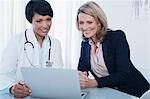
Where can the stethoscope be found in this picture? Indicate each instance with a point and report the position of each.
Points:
(48, 62)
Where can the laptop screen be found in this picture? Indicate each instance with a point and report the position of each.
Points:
(52, 83)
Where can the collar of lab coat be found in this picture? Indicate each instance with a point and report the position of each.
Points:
(31, 37)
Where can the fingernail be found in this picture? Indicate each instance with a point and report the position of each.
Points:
(30, 91)
(22, 82)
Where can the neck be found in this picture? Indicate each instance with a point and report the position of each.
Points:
(94, 39)
(39, 39)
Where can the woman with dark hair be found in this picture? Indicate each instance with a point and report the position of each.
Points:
(105, 53)
(33, 48)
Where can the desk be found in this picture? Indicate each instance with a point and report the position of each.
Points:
(94, 93)
(107, 93)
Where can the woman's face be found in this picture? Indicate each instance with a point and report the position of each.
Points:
(41, 25)
(88, 25)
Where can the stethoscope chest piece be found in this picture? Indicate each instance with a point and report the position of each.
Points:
(49, 64)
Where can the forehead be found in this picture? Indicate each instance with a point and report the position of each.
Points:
(85, 17)
(38, 16)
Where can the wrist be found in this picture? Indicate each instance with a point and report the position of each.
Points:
(10, 90)
(93, 83)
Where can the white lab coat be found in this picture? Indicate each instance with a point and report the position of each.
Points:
(14, 57)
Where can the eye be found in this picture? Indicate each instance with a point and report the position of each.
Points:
(48, 19)
(81, 22)
(89, 22)
(38, 21)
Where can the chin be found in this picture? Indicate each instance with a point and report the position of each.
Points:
(44, 34)
(87, 36)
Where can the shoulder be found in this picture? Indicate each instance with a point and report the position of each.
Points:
(14, 43)
(113, 35)
(85, 43)
(54, 41)
(16, 38)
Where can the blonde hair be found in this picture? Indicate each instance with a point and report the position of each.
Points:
(94, 10)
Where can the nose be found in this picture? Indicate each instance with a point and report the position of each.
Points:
(44, 24)
(84, 27)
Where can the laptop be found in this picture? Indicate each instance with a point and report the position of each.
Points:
(53, 83)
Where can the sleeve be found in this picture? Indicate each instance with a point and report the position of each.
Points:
(122, 63)
(58, 62)
(83, 60)
(8, 64)
(6, 90)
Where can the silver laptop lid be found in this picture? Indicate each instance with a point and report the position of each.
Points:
(52, 83)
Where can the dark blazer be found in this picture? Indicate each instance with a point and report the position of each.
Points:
(123, 75)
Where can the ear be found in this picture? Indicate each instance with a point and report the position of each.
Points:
(99, 24)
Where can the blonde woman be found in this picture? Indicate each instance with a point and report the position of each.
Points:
(105, 53)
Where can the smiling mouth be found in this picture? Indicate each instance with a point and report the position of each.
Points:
(86, 32)
(44, 31)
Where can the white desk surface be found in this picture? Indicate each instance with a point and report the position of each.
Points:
(107, 93)
(94, 93)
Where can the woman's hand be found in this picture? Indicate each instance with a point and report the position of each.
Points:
(20, 90)
(83, 76)
(85, 82)
(83, 79)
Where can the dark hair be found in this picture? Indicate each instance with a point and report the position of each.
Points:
(41, 7)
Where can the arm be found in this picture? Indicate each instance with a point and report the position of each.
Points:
(84, 60)
(8, 69)
(8, 65)
(84, 67)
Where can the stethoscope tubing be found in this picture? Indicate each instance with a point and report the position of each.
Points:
(28, 42)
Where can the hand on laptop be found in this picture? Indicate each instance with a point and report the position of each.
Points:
(83, 76)
(83, 79)
(20, 90)
(85, 82)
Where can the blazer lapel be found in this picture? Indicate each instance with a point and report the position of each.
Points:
(106, 56)
(88, 49)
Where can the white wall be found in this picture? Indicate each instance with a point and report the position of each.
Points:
(1, 27)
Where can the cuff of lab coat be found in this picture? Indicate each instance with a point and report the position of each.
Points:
(5, 90)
